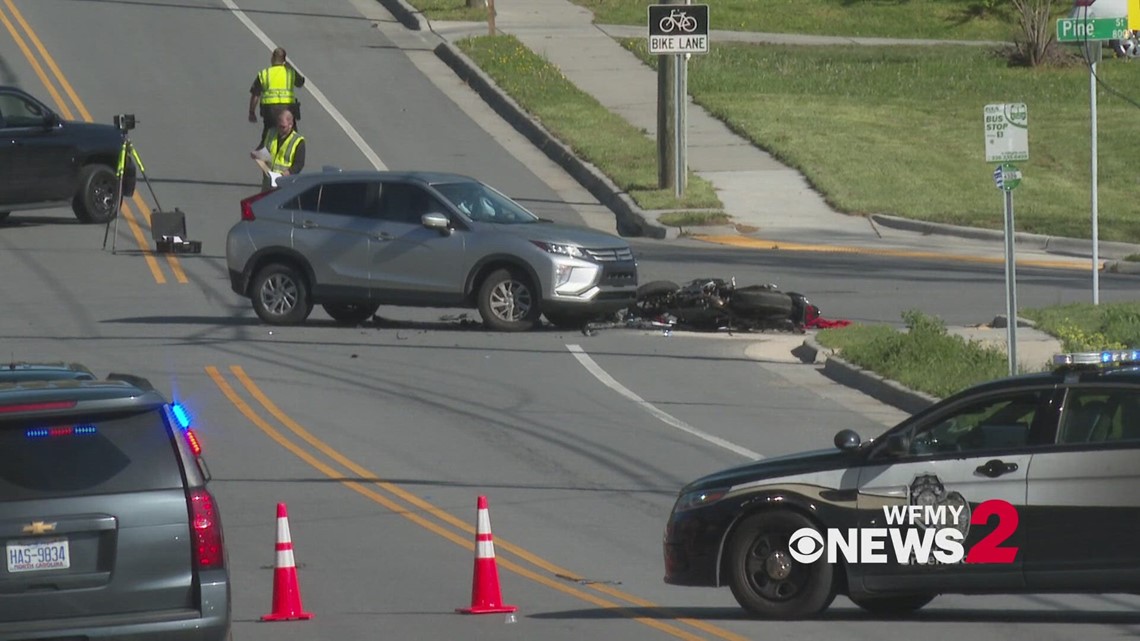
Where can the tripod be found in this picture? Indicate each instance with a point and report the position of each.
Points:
(127, 149)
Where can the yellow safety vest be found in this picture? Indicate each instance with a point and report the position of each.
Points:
(277, 85)
(281, 155)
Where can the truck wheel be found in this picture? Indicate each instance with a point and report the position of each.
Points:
(508, 301)
(280, 295)
(350, 313)
(94, 202)
(764, 577)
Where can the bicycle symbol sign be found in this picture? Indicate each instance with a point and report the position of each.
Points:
(678, 28)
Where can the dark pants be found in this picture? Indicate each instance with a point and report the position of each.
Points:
(269, 118)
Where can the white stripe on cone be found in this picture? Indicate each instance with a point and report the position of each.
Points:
(486, 550)
(285, 559)
(484, 522)
(283, 530)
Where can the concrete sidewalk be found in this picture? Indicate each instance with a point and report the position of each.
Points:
(757, 191)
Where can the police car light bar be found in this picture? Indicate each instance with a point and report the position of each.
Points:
(1107, 357)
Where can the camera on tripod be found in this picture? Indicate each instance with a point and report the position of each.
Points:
(125, 122)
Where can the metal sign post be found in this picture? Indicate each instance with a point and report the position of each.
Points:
(676, 30)
(1090, 34)
(1007, 139)
(1007, 177)
(1093, 169)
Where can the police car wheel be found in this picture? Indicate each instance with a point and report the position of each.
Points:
(766, 580)
(95, 200)
(893, 605)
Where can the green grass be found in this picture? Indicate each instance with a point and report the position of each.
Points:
(933, 19)
(1088, 327)
(925, 358)
(898, 130)
(693, 218)
(451, 10)
(928, 359)
(620, 150)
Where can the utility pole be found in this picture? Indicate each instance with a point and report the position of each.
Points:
(668, 68)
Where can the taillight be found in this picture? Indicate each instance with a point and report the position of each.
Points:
(206, 531)
(247, 205)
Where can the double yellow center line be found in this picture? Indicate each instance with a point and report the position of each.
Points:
(10, 23)
(529, 565)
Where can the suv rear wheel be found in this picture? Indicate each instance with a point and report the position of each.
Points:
(508, 301)
(95, 200)
(280, 295)
(350, 313)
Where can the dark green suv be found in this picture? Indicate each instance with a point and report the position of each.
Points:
(107, 528)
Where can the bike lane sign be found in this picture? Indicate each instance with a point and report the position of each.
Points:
(678, 28)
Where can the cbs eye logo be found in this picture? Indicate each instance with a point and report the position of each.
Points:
(806, 545)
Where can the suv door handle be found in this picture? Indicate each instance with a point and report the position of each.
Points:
(308, 224)
(384, 236)
(996, 468)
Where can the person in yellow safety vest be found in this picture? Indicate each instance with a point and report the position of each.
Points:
(274, 89)
(286, 148)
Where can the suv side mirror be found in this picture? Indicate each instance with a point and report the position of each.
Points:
(847, 440)
(438, 222)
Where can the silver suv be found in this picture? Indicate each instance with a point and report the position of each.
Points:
(107, 528)
(352, 241)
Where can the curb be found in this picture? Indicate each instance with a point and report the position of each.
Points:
(1050, 244)
(865, 381)
(406, 14)
(631, 219)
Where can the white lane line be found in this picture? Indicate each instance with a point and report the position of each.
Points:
(661, 415)
(349, 130)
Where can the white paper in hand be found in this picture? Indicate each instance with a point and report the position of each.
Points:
(262, 154)
(273, 176)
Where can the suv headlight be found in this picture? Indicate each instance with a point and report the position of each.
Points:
(573, 251)
(700, 498)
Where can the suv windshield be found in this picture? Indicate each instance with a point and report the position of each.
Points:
(483, 204)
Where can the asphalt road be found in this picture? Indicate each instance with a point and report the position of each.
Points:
(380, 439)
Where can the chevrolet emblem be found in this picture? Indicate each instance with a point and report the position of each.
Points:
(39, 527)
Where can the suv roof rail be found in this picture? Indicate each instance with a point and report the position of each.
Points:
(137, 381)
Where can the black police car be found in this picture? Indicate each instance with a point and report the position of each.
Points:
(48, 162)
(1061, 448)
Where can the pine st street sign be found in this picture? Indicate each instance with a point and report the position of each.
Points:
(1091, 29)
(1007, 132)
(678, 28)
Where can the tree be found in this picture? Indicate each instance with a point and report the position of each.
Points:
(1036, 41)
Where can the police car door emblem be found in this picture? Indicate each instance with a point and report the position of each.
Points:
(927, 489)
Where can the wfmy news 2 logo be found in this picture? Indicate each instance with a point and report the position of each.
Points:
(916, 534)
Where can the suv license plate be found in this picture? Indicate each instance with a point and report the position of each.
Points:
(44, 554)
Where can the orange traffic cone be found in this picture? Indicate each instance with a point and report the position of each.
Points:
(485, 595)
(286, 591)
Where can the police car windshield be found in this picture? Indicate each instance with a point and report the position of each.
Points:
(484, 204)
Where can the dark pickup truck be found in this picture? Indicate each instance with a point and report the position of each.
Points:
(47, 162)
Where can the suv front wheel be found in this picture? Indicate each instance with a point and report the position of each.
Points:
(508, 302)
(94, 202)
(280, 295)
